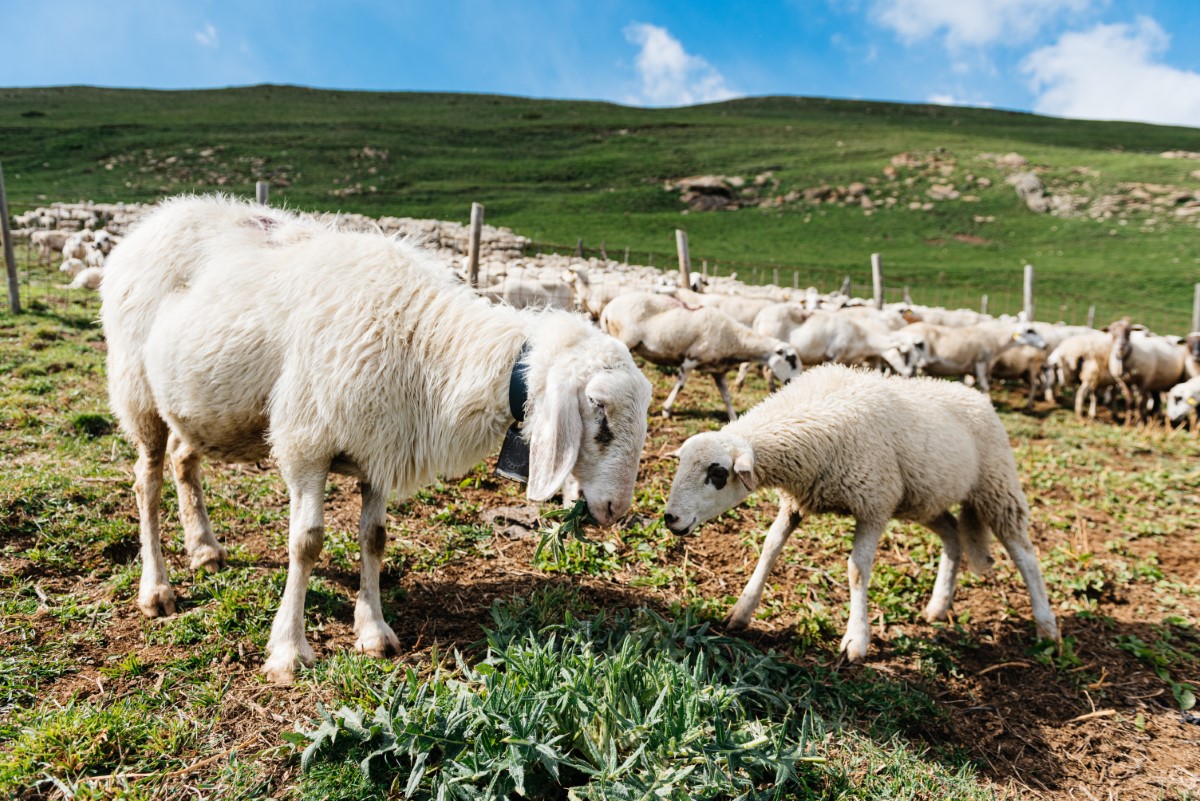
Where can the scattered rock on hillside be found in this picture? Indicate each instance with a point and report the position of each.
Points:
(1031, 191)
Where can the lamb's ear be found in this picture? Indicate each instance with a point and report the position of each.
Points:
(555, 431)
(743, 468)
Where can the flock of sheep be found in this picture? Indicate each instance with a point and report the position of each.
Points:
(227, 341)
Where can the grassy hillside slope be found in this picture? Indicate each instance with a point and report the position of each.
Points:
(558, 171)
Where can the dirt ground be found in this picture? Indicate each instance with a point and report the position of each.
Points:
(1100, 726)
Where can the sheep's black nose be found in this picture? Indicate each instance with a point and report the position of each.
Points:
(670, 519)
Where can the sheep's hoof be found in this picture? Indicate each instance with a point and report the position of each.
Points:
(280, 668)
(157, 600)
(854, 647)
(1048, 630)
(377, 639)
(937, 614)
(209, 558)
(666, 414)
(735, 622)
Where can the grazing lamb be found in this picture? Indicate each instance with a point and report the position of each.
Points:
(850, 336)
(1030, 363)
(1144, 365)
(227, 339)
(664, 331)
(850, 441)
(967, 350)
(1183, 401)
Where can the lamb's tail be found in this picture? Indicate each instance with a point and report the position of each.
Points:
(975, 537)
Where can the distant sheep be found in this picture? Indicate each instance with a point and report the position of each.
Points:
(849, 441)
(236, 331)
(665, 331)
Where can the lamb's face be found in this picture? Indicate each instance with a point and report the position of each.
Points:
(716, 472)
(785, 362)
(1027, 335)
(1181, 401)
(613, 408)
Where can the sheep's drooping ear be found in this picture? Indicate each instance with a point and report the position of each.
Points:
(673, 454)
(556, 430)
(743, 468)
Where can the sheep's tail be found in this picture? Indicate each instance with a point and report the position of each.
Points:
(975, 537)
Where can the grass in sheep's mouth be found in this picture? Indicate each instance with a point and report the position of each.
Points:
(570, 523)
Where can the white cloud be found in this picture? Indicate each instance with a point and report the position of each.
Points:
(670, 76)
(1112, 72)
(207, 36)
(951, 100)
(971, 23)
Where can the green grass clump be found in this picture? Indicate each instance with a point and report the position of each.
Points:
(631, 707)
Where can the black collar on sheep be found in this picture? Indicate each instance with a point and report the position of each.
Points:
(514, 454)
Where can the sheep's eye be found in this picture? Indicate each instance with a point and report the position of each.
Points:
(717, 476)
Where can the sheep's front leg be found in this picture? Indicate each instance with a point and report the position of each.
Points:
(723, 388)
(684, 369)
(862, 556)
(946, 527)
(785, 523)
(155, 597)
(375, 637)
(288, 646)
(198, 537)
(981, 377)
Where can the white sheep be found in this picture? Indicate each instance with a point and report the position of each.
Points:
(1183, 401)
(1082, 360)
(82, 276)
(664, 331)
(1144, 365)
(236, 331)
(967, 350)
(850, 441)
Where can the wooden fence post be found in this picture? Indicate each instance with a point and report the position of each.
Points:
(262, 192)
(627, 255)
(579, 247)
(1029, 293)
(603, 251)
(877, 278)
(776, 277)
(685, 262)
(473, 243)
(983, 305)
(1092, 315)
(10, 260)
(1196, 308)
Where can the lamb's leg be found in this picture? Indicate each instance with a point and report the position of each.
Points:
(1014, 535)
(946, 527)
(740, 380)
(155, 597)
(981, 377)
(723, 387)
(375, 637)
(785, 523)
(198, 537)
(862, 556)
(1130, 408)
(684, 369)
(287, 645)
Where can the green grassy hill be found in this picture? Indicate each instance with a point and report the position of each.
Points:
(558, 171)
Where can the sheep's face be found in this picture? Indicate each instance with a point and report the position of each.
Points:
(592, 428)
(908, 355)
(785, 362)
(613, 408)
(716, 473)
(1027, 335)
(1181, 403)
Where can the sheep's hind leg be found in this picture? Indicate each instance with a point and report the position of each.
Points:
(785, 523)
(946, 527)
(198, 537)
(306, 536)
(155, 597)
(857, 639)
(375, 637)
(1012, 530)
(684, 370)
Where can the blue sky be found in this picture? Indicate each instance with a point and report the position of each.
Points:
(1094, 59)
